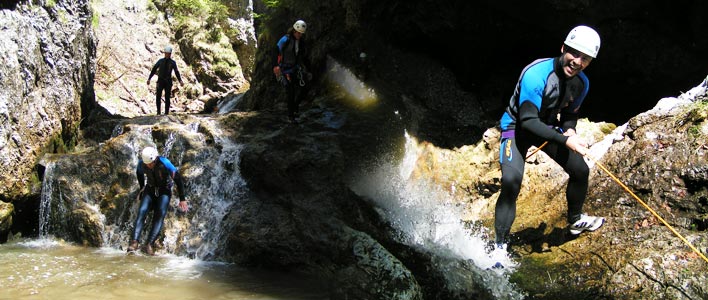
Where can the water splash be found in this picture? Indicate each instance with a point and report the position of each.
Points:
(169, 143)
(118, 130)
(45, 204)
(215, 196)
(428, 218)
(228, 104)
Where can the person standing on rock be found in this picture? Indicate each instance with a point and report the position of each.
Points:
(164, 68)
(161, 175)
(544, 107)
(289, 67)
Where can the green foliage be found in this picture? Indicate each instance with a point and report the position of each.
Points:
(694, 131)
(94, 16)
(224, 69)
(50, 3)
(271, 3)
(607, 128)
(211, 12)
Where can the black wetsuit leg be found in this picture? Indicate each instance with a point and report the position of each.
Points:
(512, 167)
(158, 217)
(168, 95)
(142, 214)
(578, 173)
(158, 95)
(292, 90)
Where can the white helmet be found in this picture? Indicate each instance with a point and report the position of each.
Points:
(149, 155)
(168, 49)
(585, 40)
(300, 26)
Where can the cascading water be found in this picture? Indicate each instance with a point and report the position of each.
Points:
(45, 204)
(426, 217)
(51, 268)
(214, 197)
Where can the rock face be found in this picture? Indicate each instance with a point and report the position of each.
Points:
(267, 193)
(504, 36)
(261, 194)
(46, 79)
(132, 35)
(658, 154)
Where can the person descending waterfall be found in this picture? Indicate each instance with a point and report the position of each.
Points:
(289, 67)
(544, 107)
(156, 194)
(164, 67)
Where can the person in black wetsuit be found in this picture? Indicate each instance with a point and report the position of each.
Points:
(161, 175)
(544, 107)
(289, 67)
(164, 68)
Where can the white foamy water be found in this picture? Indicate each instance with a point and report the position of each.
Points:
(426, 217)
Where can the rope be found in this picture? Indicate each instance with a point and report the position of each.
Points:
(537, 149)
(649, 208)
(638, 199)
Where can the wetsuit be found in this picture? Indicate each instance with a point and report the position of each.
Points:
(542, 94)
(157, 194)
(291, 53)
(163, 68)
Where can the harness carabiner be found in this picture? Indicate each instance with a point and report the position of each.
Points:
(299, 75)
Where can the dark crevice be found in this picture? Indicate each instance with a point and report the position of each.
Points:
(25, 219)
(9, 4)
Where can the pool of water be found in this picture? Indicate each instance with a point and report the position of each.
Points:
(51, 269)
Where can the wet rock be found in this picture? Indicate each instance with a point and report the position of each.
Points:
(45, 69)
(6, 212)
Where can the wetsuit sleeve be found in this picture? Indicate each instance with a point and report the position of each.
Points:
(568, 121)
(140, 174)
(530, 99)
(528, 120)
(154, 69)
(174, 66)
(177, 178)
(279, 47)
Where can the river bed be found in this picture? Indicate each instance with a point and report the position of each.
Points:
(51, 269)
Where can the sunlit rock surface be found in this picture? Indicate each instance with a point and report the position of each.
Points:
(46, 73)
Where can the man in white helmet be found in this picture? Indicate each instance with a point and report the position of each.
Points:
(164, 67)
(161, 175)
(289, 66)
(544, 107)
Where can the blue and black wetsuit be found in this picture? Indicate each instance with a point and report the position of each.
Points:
(290, 59)
(163, 67)
(156, 194)
(544, 100)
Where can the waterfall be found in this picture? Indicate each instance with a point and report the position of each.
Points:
(45, 204)
(427, 218)
(220, 187)
(228, 104)
(213, 184)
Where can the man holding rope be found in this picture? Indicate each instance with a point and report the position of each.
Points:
(544, 107)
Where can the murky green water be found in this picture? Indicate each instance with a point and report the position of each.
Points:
(48, 269)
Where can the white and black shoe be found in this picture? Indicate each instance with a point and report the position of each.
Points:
(586, 223)
(499, 255)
